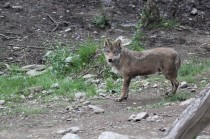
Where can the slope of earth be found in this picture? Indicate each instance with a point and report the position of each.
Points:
(29, 28)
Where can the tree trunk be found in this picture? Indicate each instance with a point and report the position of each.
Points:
(193, 119)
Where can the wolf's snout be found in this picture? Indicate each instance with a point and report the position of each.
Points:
(110, 60)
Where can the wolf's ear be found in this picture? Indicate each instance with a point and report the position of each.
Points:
(107, 42)
(118, 43)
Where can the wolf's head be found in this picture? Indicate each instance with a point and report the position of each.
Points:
(112, 51)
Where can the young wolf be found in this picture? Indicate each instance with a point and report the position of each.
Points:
(129, 63)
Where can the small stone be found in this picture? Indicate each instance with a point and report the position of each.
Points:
(162, 129)
(69, 59)
(22, 96)
(194, 11)
(68, 30)
(79, 96)
(183, 84)
(140, 116)
(86, 103)
(7, 5)
(74, 129)
(203, 137)
(1, 73)
(112, 135)
(55, 86)
(96, 109)
(186, 102)
(154, 118)
(132, 117)
(125, 41)
(2, 102)
(70, 136)
(17, 8)
(155, 86)
(62, 131)
(88, 76)
(102, 94)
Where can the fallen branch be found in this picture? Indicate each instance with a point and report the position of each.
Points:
(33, 47)
(7, 37)
(57, 23)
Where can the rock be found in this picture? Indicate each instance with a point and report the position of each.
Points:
(1, 73)
(154, 118)
(62, 131)
(112, 135)
(7, 5)
(132, 117)
(88, 76)
(96, 109)
(155, 86)
(55, 86)
(68, 30)
(203, 137)
(17, 8)
(86, 103)
(33, 67)
(74, 129)
(194, 11)
(102, 94)
(183, 84)
(140, 116)
(79, 96)
(35, 72)
(125, 41)
(70, 136)
(69, 59)
(2, 102)
(186, 102)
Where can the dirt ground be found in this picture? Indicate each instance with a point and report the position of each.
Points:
(27, 31)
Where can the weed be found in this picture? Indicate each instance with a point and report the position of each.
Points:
(137, 37)
(101, 21)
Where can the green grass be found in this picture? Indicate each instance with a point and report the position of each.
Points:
(178, 97)
(193, 67)
(11, 86)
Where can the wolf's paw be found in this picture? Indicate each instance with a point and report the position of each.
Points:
(121, 99)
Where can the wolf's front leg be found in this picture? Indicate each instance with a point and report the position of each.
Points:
(125, 88)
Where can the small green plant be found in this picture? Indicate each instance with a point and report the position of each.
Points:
(101, 21)
(181, 96)
(80, 58)
(137, 38)
(57, 58)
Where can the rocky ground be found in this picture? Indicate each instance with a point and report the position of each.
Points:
(27, 30)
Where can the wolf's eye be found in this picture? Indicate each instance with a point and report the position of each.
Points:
(115, 52)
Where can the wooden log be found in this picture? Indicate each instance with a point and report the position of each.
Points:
(193, 119)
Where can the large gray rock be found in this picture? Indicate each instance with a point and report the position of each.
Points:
(112, 135)
(70, 136)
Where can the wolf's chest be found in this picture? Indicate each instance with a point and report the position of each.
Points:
(115, 70)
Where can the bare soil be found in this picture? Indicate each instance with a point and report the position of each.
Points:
(27, 32)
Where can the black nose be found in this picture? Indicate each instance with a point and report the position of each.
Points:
(110, 60)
